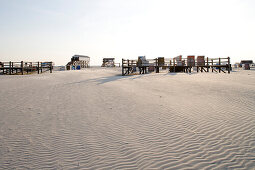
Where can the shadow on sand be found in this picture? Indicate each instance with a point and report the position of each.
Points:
(103, 80)
(107, 79)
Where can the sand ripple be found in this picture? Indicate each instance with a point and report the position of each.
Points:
(95, 120)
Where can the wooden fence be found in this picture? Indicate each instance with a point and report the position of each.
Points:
(215, 64)
(22, 67)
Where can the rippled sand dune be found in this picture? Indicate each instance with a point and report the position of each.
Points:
(97, 119)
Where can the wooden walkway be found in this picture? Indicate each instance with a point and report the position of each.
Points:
(214, 64)
(20, 68)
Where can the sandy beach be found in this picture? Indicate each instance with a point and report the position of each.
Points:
(97, 119)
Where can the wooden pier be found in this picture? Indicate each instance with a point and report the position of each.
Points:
(21, 68)
(184, 65)
(128, 66)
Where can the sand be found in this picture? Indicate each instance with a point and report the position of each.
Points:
(97, 119)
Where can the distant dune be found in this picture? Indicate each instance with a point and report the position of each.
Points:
(97, 119)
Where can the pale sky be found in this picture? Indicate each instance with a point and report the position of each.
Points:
(55, 30)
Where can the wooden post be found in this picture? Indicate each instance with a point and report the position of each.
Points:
(41, 67)
(207, 65)
(228, 65)
(128, 65)
(3, 67)
(197, 68)
(22, 68)
(38, 67)
(174, 64)
(26, 64)
(212, 65)
(219, 66)
(51, 64)
(10, 65)
(157, 66)
(122, 67)
(50, 67)
(131, 66)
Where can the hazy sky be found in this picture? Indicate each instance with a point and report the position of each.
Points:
(40, 30)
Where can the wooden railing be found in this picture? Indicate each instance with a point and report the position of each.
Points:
(24, 67)
(215, 64)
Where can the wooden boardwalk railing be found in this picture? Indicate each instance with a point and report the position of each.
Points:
(22, 67)
(215, 64)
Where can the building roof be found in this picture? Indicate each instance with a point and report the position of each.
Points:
(246, 62)
(84, 56)
(108, 58)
